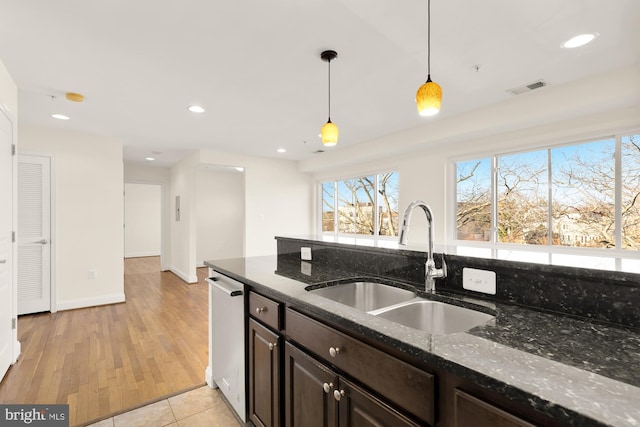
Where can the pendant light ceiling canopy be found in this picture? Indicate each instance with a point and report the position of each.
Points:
(329, 131)
(429, 95)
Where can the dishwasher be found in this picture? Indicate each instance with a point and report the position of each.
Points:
(226, 340)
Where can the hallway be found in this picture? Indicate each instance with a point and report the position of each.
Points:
(107, 359)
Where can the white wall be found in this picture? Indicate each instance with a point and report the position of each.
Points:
(555, 115)
(8, 92)
(278, 199)
(183, 231)
(88, 185)
(148, 174)
(142, 220)
(219, 213)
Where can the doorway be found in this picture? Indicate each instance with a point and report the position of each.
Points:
(142, 220)
(7, 285)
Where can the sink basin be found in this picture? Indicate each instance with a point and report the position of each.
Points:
(365, 296)
(435, 317)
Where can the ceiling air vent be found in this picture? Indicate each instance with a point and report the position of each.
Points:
(527, 88)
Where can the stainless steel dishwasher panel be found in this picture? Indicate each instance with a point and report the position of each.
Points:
(226, 346)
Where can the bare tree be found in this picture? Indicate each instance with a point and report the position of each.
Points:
(583, 197)
(357, 205)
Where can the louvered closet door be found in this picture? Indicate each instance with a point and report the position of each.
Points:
(34, 234)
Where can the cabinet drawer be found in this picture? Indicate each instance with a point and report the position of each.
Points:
(471, 411)
(266, 310)
(401, 383)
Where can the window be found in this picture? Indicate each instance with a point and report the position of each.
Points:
(366, 205)
(583, 195)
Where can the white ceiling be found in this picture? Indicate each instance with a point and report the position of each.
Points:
(255, 65)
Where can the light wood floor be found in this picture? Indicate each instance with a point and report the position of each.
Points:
(104, 360)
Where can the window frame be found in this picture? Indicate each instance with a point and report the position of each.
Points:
(376, 218)
(548, 253)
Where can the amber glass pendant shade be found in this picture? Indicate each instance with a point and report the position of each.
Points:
(329, 134)
(429, 98)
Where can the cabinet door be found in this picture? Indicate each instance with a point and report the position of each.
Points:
(473, 412)
(359, 408)
(309, 388)
(264, 376)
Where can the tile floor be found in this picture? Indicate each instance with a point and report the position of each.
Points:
(199, 407)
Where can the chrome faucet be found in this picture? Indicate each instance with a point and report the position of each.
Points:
(431, 272)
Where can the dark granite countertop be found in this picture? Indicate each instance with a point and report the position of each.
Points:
(579, 372)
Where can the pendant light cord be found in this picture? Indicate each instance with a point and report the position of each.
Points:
(429, 39)
(329, 85)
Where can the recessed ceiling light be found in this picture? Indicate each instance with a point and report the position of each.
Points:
(579, 40)
(196, 109)
(60, 116)
(149, 159)
(282, 150)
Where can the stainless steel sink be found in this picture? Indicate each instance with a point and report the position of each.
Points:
(435, 317)
(365, 296)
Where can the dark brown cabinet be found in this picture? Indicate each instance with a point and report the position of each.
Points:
(404, 386)
(473, 412)
(309, 400)
(304, 372)
(316, 396)
(265, 359)
(264, 376)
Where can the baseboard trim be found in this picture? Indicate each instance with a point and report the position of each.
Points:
(183, 276)
(90, 302)
(17, 351)
(208, 377)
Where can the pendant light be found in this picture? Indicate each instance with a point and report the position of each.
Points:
(329, 131)
(429, 95)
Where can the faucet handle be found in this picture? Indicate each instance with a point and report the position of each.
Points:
(444, 267)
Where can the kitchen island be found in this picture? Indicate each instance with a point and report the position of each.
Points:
(575, 371)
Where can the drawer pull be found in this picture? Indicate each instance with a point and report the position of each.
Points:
(338, 394)
(327, 387)
(272, 345)
(260, 309)
(334, 351)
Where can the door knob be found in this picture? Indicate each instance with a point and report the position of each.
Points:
(42, 242)
(272, 345)
(334, 351)
(338, 394)
(327, 387)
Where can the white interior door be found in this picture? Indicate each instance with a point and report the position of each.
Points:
(34, 234)
(6, 259)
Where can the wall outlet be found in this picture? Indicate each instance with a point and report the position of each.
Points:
(479, 280)
(93, 274)
(305, 253)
